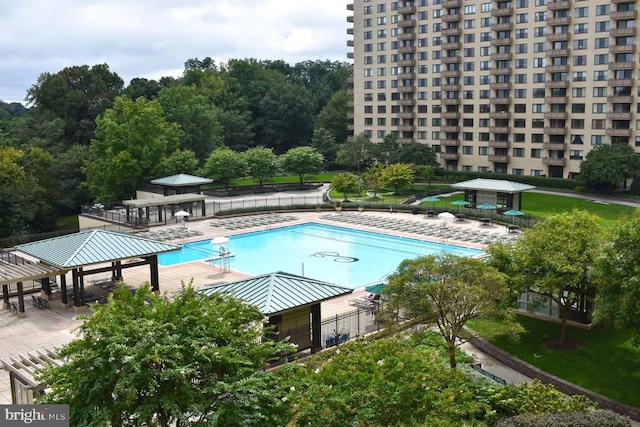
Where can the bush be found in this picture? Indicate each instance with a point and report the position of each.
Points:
(579, 419)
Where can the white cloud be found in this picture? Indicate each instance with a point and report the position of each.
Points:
(152, 38)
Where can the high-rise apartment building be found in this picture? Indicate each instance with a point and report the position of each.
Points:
(526, 87)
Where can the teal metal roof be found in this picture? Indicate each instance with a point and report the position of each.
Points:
(278, 292)
(92, 247)
(497, 185)
(181, 180)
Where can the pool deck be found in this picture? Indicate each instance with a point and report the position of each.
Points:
(54, 327)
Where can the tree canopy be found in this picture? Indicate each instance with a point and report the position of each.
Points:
(145, 360)
(224, 165)
(607, 166)
(397, 175)
(301, 161)
(261, 162)
(345, 183)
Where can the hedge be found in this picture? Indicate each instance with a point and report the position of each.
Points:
(602, 418)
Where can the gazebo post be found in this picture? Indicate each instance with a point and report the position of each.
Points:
(45, 291)
(63, 291)
(155, 278)
(5, 297)
(21, 312)
(316, 330)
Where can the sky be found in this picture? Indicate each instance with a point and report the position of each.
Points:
(153, 38)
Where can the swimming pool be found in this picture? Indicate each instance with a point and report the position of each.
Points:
(344, 256)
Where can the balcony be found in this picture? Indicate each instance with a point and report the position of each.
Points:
(403, 76)
(557, 68)
(407, 49)
(446, 4)
(620, 82)
(449, 156)
(623, 32)
(501, 42)
(619, 116)
(455, 73)
(351, 127)
(506, 26)
(501, 56)
(450, 129)
(494, 101)
(549, 161)
(555, 131)
(451, 59)
(620, 65)
(552, 84)
(407, 102)
(495, 129)
(350, 31)
(502, 11)
(406, 140)
(350, 103)
(350, 91)
(559, 21)
(405, 115)
(450, 87)
(350, 79)
(407, 23)
(350, 19)
(407, 9)
(350, 6)
(620, 99)
(618, 132)
(448, 46)
(497, 158)
(406, 63)
(558, 146)
(454, 17)
(559, 5)
(350, 55)
(558, 52)
(450, 142)
(625, 48)
(501, 71)
(556, 115)
(407, 36)
(500, 115)
(627, 14)
(500, 86)
(406, 128)
(407, 89)
(499, 144)
(556, 99)
(450, 114)
(558, 37)
(451, 101)
(446, 32)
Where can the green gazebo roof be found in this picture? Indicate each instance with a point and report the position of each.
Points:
(181, 180)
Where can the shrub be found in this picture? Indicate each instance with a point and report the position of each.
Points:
(579, 419)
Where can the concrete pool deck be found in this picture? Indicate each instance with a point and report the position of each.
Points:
(54, 327)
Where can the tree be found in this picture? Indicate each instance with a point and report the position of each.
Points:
(554, 260)
(180, 161)
(325, 144)
(618, 276)
(237, 128)
(132, 139)
(447, 290)
(607, 166)
(424, 173)
(262, 164)
(356, 154)
(387, 149)
(147, 360)
(345, 183)
(300, 161)
(334, 116)
(16, 184)
(197, 118)
(397, 175)
(71, 181)
(141, 87)
(417, 154)
(372, 179)
(224, 165)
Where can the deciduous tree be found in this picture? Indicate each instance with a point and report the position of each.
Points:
(147, 360)
(386, 150)
(325, 144)
(356, 154)
(345, 183)
(224, 165)
(262, 164)
(447, 290)
(397, 175)
(416, 154)
(607, 166)
(301, 161)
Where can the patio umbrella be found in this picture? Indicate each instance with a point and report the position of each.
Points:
(486, 207)
(460, 203)
(446, 215)
(181, 214)
(375, 289)
(220, 240)
(513, 213)
(431, 200)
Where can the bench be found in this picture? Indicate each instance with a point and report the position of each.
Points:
(39, 302)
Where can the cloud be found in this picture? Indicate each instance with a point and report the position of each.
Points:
(148, 38)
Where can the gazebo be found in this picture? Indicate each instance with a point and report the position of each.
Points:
(291, 302)
(181, 184)
(501, 193)
(74, 252)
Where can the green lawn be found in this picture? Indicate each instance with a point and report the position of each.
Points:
(548, 204)
(609, 364)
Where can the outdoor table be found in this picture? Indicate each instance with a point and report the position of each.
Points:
(513, 228)
(461, 217)
(430, 213)
(485, 221)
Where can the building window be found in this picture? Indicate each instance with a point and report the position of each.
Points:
(599, 108)
(579, 92)
(536, 153)
(483, 151)
(601, 43)
(577, 139)
(577, 108)
(517, 171)
(579, 76)
(597, 139)
(522, 33)
(580, 60)
(602, 26)
(580, 28)
(540, 32)
(599, 92)
(520, 108)
(518, 152)
(467, 149)
(601, 59)
(598, 123)
(604, 9)
(577, 123)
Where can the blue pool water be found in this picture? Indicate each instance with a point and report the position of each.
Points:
(347, 257)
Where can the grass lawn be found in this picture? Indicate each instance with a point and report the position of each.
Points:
(609, 364)
(548, 204)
